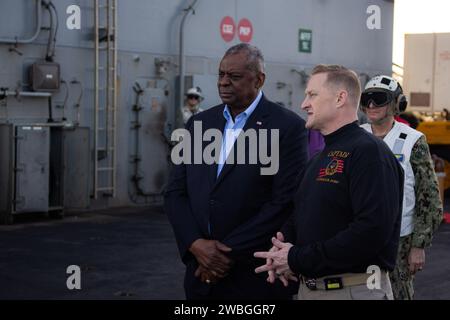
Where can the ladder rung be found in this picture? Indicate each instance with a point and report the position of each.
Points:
(105, 169)
(99, 89)
(103, 149)
(105, 189)
(105, 6)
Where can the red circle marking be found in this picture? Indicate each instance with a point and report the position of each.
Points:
(245, 30)
(227, 28)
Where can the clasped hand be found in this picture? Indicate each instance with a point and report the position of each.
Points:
(277, 261)
(212, 259)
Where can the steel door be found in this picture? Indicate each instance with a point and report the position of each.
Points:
(32, 168)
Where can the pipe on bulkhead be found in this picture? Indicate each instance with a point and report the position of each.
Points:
(181, 57)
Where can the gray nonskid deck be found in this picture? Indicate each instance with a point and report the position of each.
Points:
(129, 253)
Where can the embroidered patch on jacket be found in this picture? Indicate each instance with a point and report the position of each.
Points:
(335, 166)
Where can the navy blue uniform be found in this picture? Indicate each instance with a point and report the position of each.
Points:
(348, 207)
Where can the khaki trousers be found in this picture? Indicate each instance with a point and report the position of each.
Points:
(356, 292)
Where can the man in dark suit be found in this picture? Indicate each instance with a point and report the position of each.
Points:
(222, 212)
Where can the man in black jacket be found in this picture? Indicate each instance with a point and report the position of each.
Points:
(343, 236)
(223, 211)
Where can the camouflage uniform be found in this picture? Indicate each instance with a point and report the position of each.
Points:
(427, 218)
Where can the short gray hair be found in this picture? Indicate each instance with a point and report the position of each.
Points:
(255, 58)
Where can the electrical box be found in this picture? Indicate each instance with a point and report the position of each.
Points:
(25, 170)
(77, 159)
(40, 166)
(32, 169)
(45, 76)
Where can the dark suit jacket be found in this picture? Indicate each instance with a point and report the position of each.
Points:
(244, 208)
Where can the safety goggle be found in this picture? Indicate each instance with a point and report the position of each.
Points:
(378, 98)
(192, 96)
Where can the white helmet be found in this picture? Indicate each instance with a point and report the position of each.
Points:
(195, 91)
(392, 90)
(382, 82)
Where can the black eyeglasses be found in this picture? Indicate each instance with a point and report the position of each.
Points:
(191, 96)
(378, 98)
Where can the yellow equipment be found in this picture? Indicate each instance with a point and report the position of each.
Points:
(437, 132)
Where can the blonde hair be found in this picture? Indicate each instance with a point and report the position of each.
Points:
(341, 76)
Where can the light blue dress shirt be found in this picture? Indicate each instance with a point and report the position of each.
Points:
(233, 129)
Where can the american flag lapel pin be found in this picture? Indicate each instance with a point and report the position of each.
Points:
(258, 123)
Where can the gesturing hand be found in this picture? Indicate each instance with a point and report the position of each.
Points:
(271, 273)
(276, 261)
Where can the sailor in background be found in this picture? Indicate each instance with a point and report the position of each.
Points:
(381, 101)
